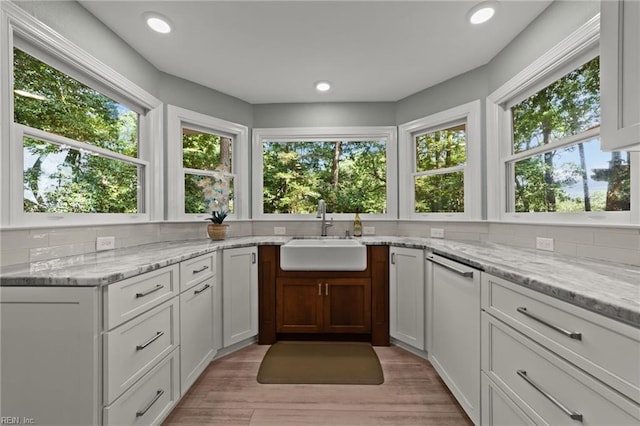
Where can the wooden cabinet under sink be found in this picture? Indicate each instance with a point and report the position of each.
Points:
(324, 304)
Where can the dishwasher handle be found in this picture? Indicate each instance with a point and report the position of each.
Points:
(467, 274)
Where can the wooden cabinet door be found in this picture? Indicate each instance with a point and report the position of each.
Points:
(347, 305)
(299, 305)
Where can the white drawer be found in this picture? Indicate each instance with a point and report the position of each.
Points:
(531, 376)
(592, 352)
(151, 399)
(136, 346)
(498, 409)
(194, 270)
(128, 298)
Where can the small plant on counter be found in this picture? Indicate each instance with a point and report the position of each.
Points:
(218, 216)
(216, 229)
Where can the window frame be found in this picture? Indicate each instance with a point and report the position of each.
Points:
(20, 29)
(470, 114)
(578, 48)
(311, 134)
(177, 118)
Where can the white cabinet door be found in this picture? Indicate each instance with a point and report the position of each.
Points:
(620, 74)
(196, 331)
(406, 296)
(454, 314)
(239, 294)
(50, 355)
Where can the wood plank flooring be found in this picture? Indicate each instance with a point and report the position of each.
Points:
(227, 394)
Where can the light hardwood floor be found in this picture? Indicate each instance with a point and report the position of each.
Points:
(227, 393)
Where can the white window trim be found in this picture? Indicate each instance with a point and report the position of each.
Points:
(301, 134)
(549, 67)
(177, 118)
(16, 21)
(470, 114)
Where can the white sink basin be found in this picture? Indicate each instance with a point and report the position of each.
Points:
(320, 254)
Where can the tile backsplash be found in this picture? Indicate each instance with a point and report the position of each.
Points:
(606, 243)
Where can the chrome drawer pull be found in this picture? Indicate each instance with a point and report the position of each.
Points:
(197, 271)
(202, 289)
(572, 414)
(468, 274)
(159, 393)
(326, 289)
(150, 341)
(148, 292)
(571, 334)
(319, 289)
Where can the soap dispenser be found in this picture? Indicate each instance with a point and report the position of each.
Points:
(357, 225)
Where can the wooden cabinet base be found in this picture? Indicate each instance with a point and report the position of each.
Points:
(324, 305)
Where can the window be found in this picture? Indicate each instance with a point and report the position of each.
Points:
(439, 178)
(61, 123)
(79, 134)
(352, 169)
(442, 155)
(547, 144)
(556, 163)
(206, 156)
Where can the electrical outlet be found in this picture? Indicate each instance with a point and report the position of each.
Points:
(369, 230)
(544, 243)
(437, 233)
(105, 243)
(279, 230)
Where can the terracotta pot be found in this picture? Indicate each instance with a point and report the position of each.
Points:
(217, 231)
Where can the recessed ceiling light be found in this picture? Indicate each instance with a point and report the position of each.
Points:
(322, 86)
(157, 22)
(482, 12)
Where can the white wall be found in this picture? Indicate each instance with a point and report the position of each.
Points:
(325, 114)
(557, 22)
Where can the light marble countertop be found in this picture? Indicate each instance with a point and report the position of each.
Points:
(606, 288)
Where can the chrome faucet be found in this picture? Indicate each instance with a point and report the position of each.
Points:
(322, 211)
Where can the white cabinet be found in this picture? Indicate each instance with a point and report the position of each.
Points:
(50, 354)
(239, 294)
(620, 74)
(497, 407)
(196, 317)
(135, 347)
(129, 298)
(406, 296)
(546, 387)
(535, 346)
(581, 337)
(454, 330)
(149, 400)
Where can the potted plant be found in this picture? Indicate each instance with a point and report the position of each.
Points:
(216, 229)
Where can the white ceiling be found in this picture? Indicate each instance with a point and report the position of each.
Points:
(273, 51)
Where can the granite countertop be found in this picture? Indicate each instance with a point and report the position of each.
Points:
(606, 288)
